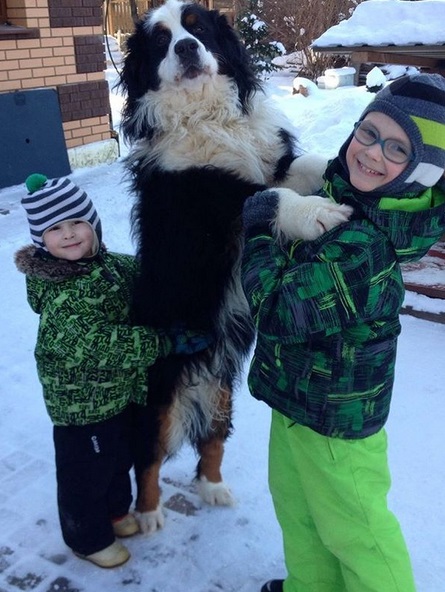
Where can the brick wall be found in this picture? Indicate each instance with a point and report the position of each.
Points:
(74, 13)
(89, 53)
(61, 47)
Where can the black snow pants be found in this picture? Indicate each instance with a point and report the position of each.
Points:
(93, 480)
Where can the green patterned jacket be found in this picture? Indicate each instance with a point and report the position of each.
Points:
(90, 361)
(327, 313)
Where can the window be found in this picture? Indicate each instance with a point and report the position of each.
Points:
(10, 31)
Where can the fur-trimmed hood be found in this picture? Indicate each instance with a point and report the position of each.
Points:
(32, 262)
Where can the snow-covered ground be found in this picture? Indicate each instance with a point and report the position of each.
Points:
(202, 549)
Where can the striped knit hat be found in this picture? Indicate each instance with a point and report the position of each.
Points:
(417, 104)
(51, 202)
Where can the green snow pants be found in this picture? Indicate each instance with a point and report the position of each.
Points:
(330, 499)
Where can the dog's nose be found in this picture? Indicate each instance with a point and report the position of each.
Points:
(186, 48)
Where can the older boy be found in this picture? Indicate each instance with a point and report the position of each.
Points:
(327, 314)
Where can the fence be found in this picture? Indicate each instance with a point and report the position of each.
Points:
(117, 13)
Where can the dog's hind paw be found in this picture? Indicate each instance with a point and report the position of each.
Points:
(307, 216)
(150, 522)
(215, 494)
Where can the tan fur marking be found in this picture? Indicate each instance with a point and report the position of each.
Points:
(211, 453)
(149, 491)
(211, 450)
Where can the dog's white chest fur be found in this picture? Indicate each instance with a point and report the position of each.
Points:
(205, 127)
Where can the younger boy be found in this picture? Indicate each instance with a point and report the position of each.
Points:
(327, 314)
(91, 363)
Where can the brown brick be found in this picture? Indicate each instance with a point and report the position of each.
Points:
(42, 52)
(75, 78)
(64, 70)
(46, 72)
(33, 63)
(9, 44)
(33, 82)
(75, 13)
(17, 54)
(28, 43)
(17, 4)
(10, 65)
(53, 61)
(9, 85)
(55, 80)
(84, 100)
(36, 13)
(20, 74)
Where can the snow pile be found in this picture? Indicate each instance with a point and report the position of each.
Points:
(389, 22)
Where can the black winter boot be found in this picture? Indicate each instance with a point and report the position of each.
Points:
(273, 586)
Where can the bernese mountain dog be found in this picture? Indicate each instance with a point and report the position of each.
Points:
(204, 136)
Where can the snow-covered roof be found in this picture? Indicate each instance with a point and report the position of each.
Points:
(389, 22)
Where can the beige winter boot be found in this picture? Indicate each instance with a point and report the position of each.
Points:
(112, 556)
(126, 526)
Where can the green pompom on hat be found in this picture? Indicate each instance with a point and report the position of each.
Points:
(35, 181)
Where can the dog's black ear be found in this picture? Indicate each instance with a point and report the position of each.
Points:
(136, 77)
(235, 60)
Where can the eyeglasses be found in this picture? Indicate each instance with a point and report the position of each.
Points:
(394, 150)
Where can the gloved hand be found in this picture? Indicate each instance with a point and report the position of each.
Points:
(187, 341)
(260, 209)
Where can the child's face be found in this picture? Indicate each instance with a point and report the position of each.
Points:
(71, 240)
(368, 167)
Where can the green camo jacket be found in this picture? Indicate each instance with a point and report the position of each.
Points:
(90, 361)
(327, 314)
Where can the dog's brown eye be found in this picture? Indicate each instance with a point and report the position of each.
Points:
(161, 40)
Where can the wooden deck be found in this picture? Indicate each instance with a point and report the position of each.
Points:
(427, 278)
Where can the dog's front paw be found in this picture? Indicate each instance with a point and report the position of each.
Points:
(329, 214)
(150, 522)
(306, 216)
(215, 494)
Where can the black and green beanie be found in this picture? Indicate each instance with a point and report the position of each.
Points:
(417, 103)
(50, 202)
